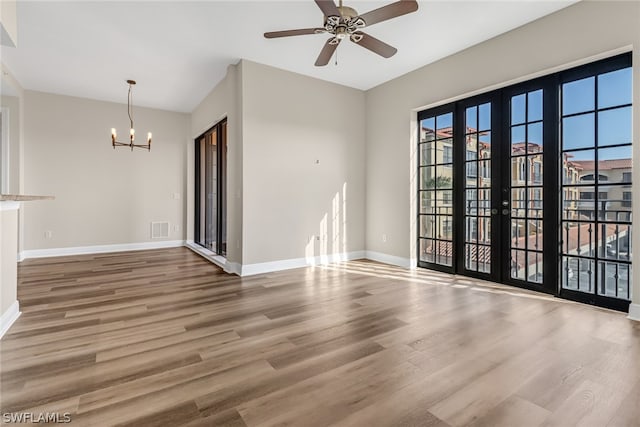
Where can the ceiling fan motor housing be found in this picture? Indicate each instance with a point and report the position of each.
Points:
(344, 25)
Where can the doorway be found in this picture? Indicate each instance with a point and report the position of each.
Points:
(210, 188)
(530, 185)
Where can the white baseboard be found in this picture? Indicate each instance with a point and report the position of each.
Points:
(8, 317)
(87, 250)
(222, 262)
(634, 312)
(287, 264)
(388, 259)
(20, 256)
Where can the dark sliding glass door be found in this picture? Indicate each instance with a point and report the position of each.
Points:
(530, 185)
(210, 188)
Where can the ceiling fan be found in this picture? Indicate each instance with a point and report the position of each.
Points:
(343, 21)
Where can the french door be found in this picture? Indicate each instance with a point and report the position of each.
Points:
(530, 185)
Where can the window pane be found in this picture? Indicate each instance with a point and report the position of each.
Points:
(472, 119)
(427, 153)
(518, 137)
(427, 203)
(578, 131)
(534, 138)
(578, 203)
(535, 106)
(614, 88)
(518, 109)
(427, 226)
(614, 126)
(534, 170)
(485, 117)
(518, 264)
(518, 203)
(613, 279)
(578, 238)
(613, 163)
(444, 125)
(577, 274)
(427, 250)
(427, 129)
(427, 177)
(578, 96)
(613, 204)
(615, 242)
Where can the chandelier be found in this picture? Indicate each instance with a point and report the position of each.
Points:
(132, 131)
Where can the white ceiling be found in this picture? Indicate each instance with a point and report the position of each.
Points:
(178, 51)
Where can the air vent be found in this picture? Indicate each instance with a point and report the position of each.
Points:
(160, 230)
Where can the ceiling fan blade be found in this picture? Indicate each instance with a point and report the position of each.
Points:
(389, 11)
(328, 7)
(288, 33)
(373, 44)
(327, 52)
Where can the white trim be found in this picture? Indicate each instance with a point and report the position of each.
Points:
(388, 259)
(8, 317)
(9, 205)
(233, 268)
(20, 257)
(86, 250)
(287, 264)
(634, 312)
(211, 256)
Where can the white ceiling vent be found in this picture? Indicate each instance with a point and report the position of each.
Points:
(160, 230)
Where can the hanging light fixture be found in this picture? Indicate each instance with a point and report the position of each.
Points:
(132, 131)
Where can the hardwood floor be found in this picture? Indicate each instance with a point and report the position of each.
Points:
(165, 338)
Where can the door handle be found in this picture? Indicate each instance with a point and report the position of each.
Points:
(494, 211)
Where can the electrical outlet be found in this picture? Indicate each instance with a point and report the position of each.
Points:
(384, 237)
(176, 228)
(48, 234)
(175, 196)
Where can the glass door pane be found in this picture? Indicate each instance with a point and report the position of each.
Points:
(596, 220)
(526, 173)
(477, 188)
(435, 189)
(211, 190)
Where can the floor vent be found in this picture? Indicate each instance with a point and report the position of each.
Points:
(160, 230)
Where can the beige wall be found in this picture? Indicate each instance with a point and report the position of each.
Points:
(560, 40)
(225, 100)
(103, 196)
(12, 105)
(8, 251)
(280, 124)
(553, 41)
(291, 122)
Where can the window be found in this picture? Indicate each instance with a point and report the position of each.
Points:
(626, 199)
(447, 154)
(626, 176)
(472, 166)
(591, 177)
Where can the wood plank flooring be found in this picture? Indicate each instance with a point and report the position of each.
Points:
(164, 338)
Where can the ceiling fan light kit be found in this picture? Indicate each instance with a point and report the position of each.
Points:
(344, 22)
